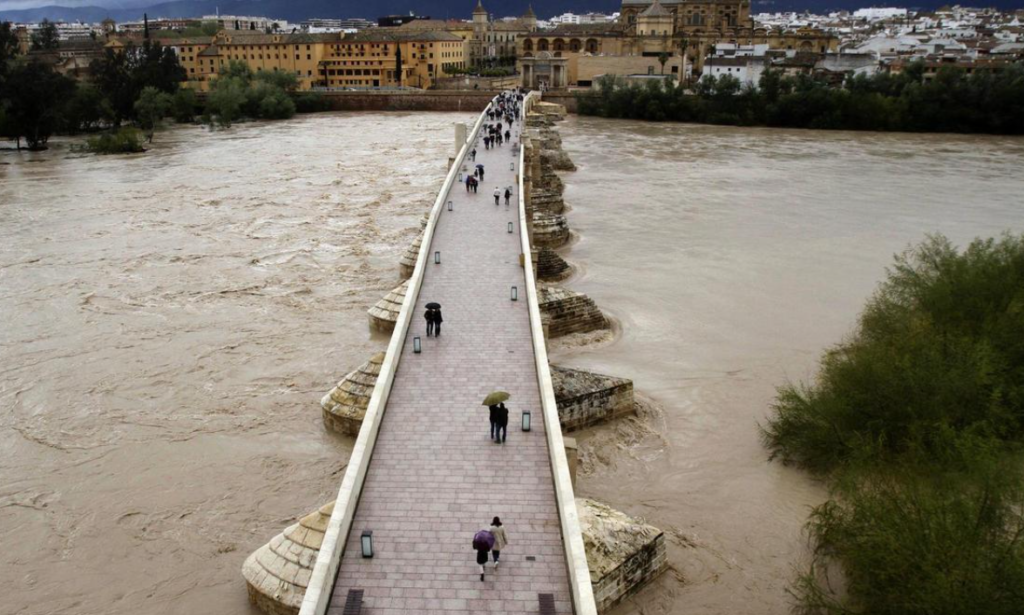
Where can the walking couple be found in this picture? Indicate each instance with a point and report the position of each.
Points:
(499, 422)
(489, 540)
(434, 320)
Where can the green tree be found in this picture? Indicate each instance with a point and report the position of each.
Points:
(36, 98)
(183, 105)
(122, 76)
(86, 109)
(150, 109)
(46, 37)
(663, 59)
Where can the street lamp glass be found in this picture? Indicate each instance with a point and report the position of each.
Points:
(366, 540)
(416, 346)
(515, 293)
(526, 420)
(510, 227)
(437, 258)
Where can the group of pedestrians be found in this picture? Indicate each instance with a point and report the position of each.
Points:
(498, 193)
(489, 540)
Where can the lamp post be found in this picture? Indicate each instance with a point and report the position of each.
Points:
(417, 347)
(366, 540)
(526, 420)
(509, 227)
(515, 293)
(437, 258)
(450, 203)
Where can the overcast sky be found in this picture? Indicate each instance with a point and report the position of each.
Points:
(14, 5)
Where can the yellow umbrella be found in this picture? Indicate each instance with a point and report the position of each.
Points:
(496, 398)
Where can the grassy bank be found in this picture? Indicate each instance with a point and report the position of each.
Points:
(917, 422)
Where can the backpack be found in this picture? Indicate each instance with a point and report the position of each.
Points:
(482, 540)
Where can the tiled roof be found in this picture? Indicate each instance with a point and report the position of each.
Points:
(379, 35)
(655, 10)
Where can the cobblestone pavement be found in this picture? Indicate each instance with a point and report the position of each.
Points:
(436, 477)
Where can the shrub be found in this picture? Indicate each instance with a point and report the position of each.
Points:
(124, 141)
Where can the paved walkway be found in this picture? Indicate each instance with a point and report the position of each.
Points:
(435, 477)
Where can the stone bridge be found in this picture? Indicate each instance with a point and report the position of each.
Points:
(424, 474)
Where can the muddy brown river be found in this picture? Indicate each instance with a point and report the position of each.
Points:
(172, 319)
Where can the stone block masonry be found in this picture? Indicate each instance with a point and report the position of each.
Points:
(384, 314)
(566, 312)
(345, 406)
(623, 553)
(585, 398)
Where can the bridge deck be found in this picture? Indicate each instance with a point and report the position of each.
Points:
(435, 476)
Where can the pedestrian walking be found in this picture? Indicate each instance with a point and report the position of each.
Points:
(500, 539)
(508, 196)
(497, 196)
(508, 135)
(437, 322)
(493, 410)
(469, 182)
(481, 169)
(429, 317)
(472, 155)
(502, 415)
(482, 543)
(475, 185)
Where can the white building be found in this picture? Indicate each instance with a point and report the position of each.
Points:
(746, 69)
(879, 13)
(240, 22)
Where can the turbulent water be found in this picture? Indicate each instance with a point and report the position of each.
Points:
(172, 319)
(732, 258)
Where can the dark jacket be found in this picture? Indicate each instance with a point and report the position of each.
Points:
(437, 317)
(494, 413)
(502, 415)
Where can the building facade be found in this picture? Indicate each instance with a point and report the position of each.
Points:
(684, 32)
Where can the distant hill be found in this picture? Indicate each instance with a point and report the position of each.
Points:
(299, 10)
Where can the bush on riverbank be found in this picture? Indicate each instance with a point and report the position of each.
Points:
(124, 141)
(918, 421)
(951, 102)
(239, 92)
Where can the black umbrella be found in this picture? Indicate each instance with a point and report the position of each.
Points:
(433, 306)
(479, 166)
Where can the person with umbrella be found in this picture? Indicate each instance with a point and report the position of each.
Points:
(502, 421)
(492, 402)
(483, 540)
(480, 168)
(434, 319)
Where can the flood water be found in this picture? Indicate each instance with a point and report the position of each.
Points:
(172, 319)
(732, 258)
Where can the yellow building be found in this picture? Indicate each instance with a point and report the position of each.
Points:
(366, 59)
(300, 54)
(371, 58)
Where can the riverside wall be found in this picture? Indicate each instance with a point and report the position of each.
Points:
(425, 100)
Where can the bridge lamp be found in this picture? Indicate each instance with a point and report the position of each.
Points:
(449, 205)
(526, 420)
(416, 346)
(437, 258)
(366, 540)
(460, 177)
(515, 293)
(510, 227)
(512, 166)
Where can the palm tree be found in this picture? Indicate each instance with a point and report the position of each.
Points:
(662, 59)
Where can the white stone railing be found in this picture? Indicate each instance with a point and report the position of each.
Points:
(325, 571)
(572, 537)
